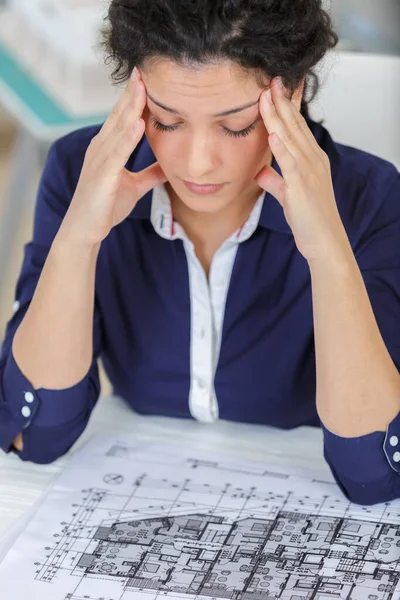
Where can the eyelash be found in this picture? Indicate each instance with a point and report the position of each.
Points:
(235, 134)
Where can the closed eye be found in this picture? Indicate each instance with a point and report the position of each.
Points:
(235, 134)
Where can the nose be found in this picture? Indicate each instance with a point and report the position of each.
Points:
(202, 159)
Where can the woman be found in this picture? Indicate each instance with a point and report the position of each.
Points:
(220, 252)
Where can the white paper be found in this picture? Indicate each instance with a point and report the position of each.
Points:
(140, 520)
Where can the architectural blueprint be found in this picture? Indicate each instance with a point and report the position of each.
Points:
(130, 521)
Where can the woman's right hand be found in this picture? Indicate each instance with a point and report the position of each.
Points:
(107, 192)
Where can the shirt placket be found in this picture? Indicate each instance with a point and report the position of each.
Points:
(202, 402)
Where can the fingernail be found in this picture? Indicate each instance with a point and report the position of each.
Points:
(280, 82)
(269, 97)
(134, 75)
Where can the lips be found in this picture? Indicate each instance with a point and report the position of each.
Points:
(200, 185)
(203, 189)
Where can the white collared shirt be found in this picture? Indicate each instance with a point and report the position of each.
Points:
(208, 298)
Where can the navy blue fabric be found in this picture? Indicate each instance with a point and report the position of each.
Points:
(266, 371)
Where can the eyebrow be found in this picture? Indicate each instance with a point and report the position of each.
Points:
(223, 114)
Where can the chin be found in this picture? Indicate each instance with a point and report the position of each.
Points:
(205, 209)
(204, 204)
(209, 203)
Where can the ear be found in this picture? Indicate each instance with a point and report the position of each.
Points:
(298, 95)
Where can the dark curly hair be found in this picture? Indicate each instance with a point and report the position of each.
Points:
(270, 37)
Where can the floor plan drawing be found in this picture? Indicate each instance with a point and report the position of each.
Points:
(189, 529)
(288, 557)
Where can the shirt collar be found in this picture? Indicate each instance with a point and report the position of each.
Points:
(162, 218)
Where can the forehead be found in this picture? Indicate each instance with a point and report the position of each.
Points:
(219, 70)
(210, 88)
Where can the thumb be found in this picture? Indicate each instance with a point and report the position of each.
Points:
(272, 182)
(147, 179)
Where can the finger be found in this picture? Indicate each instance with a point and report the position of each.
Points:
(290, 115)
(132, 97)
(279, 117)
(272, 182)
(115, 150)
(303, 125)
(127, 98)
(274, 124)
(132, 113)
(126, 123)
(148, 178)
(114, 157)
(289, 164)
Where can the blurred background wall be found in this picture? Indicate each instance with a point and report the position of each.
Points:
(368, 25)
(364, 26)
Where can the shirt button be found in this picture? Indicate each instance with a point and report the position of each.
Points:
(16, 306)
(29, 397)
(394, 440)
(396, 456)
(26, 412)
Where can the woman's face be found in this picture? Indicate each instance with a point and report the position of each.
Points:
(200, 146)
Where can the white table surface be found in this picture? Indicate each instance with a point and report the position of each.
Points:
(22, 483)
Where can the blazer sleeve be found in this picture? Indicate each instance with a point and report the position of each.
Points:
(50, 420)
(367, 468)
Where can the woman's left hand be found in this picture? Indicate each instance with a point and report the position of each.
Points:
(306, 190)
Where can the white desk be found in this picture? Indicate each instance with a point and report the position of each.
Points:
(22, 483)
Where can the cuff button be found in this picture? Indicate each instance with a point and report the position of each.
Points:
(29, 397)
(26, 412)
